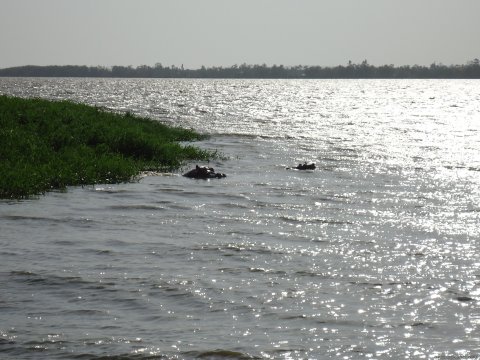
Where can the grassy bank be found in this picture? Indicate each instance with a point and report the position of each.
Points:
(47, 145)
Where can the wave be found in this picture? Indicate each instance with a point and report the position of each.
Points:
(59, 348)
(267, 271)
(308, 220)
(52, 280)
(137, 207)
(219, 354)
(126, 356)
(84, 312)
(255, 136)
(49, 280)
(80, 222)
(232, 248)
(216, 354)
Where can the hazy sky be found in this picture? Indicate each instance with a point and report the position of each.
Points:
(228, 32)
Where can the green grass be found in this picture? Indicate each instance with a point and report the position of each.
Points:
(46, 145)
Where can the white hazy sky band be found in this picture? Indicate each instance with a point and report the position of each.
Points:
(228, 32)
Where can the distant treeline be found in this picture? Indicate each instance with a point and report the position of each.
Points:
(364, 70)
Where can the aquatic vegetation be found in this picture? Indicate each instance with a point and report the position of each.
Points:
(48, 145)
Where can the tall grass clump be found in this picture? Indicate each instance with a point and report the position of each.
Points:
(46, 145)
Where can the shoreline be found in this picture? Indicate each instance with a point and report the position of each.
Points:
(363, 70)
(49, 145)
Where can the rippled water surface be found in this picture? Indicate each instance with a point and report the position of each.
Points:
(375, 254)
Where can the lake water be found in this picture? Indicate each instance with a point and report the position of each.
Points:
(373, 255)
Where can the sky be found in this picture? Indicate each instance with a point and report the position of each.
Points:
(228, 32)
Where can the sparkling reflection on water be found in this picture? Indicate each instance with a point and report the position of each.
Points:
(372, 255)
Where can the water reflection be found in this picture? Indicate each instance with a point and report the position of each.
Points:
(372, 255)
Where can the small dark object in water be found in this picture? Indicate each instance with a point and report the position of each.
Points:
(305, 166)
(464, 298)
(203, 172)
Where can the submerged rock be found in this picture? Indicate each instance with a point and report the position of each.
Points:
(203, 172)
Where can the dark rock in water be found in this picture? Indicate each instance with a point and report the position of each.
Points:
(203, 172)
(305, 166)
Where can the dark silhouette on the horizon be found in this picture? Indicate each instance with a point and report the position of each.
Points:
(470, 70)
